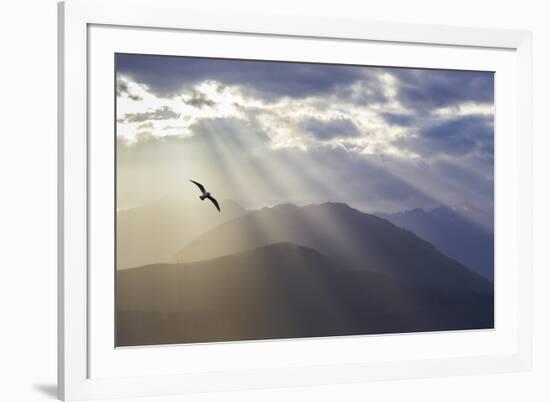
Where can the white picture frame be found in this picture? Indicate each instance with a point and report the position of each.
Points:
(79, 379)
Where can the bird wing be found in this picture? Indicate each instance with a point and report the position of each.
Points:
(200, 186)
(215, 202)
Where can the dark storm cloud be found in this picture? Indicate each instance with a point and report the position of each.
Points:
(166, 75)
(329, 129)
(457, 136)
(398, 119)
(199, 100)
(163, 113)
(428, 89)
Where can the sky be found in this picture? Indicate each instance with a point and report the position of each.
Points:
(263, 133)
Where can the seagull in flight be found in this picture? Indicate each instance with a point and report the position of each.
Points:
(206, 194)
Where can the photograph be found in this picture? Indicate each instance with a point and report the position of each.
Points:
(266, 200)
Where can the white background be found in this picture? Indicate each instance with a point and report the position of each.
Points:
(28, 199)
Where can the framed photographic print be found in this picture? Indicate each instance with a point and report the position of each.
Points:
(262, 201)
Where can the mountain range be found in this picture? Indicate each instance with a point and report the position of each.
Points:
(281, 290)
(452, 233)
(284, 272)
(357, 240)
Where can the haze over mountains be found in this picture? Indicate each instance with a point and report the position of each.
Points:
(285, 272)
(453, 234)
(155, 232)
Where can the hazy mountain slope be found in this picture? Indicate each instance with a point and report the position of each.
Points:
(280, 291)
(155, 232)
(452, 234)
(357, 240)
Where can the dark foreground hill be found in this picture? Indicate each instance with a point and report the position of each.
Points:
(356, 240)
(281, 291)
(452, 234)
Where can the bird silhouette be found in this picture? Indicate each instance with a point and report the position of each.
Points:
(206, 194)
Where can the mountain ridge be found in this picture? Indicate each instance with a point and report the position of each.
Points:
(280, 291)
(358, 240)
(451, 233)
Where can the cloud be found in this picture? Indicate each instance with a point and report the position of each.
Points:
(260, 175)
(329, 129)
(396, 138)
(167, 75)
(398, 119)
(215, 152)
(423, 90)
(163, 113)
(147, 125)
(300, 103)
(455, 137)
(122, 89)
(199, 100)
